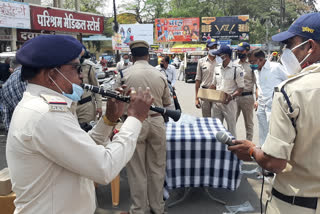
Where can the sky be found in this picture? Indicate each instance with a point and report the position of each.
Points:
(108, 9)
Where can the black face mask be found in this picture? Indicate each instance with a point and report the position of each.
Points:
(242, 56)
(161, 65)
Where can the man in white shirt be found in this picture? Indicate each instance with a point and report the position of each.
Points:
(52, 161)
(124, 64)
(268, 76)
(168, 70)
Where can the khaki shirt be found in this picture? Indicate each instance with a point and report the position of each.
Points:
(299, 146)
(142, 74)
(53, 162)
(228, 79)
(205, 70)
(249, 77)
(89, 77)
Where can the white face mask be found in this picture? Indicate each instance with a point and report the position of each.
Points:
(219, 60)
(223, 58)
(212, 50)
(290, 61)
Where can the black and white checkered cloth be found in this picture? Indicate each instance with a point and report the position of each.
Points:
(196, 159)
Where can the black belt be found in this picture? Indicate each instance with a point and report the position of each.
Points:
(204, 87)
(85, 100)
(246, 93)
(306, 202)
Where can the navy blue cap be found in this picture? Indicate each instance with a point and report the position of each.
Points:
(48, 51)
(243, 46)
(307, 26)
(211, 42)
(224, 49)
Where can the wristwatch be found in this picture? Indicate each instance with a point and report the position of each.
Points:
(232, 97)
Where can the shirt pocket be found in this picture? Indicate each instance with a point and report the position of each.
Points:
(218, 79)
(228, 81)
(204, 68)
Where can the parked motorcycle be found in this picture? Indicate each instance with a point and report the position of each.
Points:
(107, 79)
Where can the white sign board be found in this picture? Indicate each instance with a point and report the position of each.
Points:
(132, 32)
(14, 14)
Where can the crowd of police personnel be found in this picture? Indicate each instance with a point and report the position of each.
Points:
(53, 162)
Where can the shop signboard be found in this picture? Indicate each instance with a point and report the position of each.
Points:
(222, 28)
(50, 19)
(177, 29)
(14, 14)
(25, 35)
(182, 48)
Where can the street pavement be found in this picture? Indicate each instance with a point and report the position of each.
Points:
(197, 201)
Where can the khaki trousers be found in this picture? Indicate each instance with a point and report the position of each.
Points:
(228, 112)
(86, 112)
(245, 104)
(277, 206)
(146, 169)
(206, 108)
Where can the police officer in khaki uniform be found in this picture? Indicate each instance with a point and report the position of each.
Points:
(292, 146)
(146, 169)
(228, 78)
(245, 102)
(205, 69)
(52, 161)
(90, 104)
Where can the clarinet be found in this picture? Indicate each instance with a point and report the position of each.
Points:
(173, 114)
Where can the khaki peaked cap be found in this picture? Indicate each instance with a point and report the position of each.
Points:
(139, 44)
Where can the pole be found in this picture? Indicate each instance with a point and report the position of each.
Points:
(282, 17)
(77, 5)
(267, 36)
(116, 28)
(282, 13)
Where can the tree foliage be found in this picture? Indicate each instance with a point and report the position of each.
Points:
(89, 6)
(264, 15)
(145, 10)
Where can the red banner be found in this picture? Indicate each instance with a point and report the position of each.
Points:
(61, 20)
(177, 29)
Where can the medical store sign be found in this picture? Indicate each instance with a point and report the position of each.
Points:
(61, 20)
(14, 14)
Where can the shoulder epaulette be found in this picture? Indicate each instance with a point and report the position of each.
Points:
(55, 103)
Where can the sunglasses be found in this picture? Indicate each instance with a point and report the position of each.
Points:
(76, 66)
